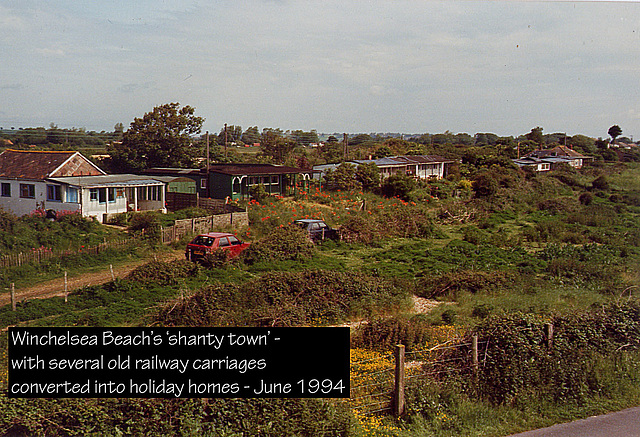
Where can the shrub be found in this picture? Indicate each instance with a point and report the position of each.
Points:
(586, 198)
(258, 192)
(286, 299)
(412, 331)
(485, 184)
(600, 183)
(398, 185)
(147, 223)
(473, 281)
(163, 273)
(216, 259)
(283, 243)
(518, 365)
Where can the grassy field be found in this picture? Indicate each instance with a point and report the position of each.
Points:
(546, 248)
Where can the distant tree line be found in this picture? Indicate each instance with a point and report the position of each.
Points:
(171, 136)
(54, 137)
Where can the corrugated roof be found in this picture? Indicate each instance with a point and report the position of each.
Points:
(119, 180)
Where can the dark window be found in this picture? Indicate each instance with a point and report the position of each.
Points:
(223, 242)
(102, 195)
(54, 193)
(6, 190)
(27, 191)
(93, 194)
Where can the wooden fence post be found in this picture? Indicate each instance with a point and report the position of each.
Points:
(13, 296)
(398, 401)
(66, 289)
(549, 334)
(474, 352)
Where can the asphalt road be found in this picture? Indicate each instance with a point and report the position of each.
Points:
(625, 423)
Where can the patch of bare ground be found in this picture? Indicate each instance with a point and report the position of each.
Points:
(55, 287)
(421, 305)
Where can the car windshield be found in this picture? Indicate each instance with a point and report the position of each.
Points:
(203, 240)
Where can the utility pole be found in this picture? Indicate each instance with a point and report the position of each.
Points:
(345, 141)
(225, 141)
(208, 163)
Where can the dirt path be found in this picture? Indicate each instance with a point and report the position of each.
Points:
(55, 287)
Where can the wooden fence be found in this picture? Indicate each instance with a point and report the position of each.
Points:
(42, 254)
(201, 225)
(177, 201)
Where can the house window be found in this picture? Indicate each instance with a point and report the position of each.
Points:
(93, 194)
(102, 195)
(111, 193)
(72, 195)
(5, 191)
(203, 183)
(27, 191)
(54, 193)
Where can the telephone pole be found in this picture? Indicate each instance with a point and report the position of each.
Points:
(208, 163)
(345, 140)
(225, 142)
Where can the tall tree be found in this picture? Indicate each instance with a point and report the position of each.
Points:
(161, 138)
(276, 146)
(251, 135)
(614, 131)
(536, 136)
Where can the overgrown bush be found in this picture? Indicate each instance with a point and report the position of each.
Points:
(518, 364)
(216, 259)
(414, 332)
(286, 299)
(404, 221)
(163, 273)
(146, 222)
(283, 243)
(174, 417)
(473, 281)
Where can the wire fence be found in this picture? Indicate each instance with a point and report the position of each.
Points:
(38, 255)
(377, 384)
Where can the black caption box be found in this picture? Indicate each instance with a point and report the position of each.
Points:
(178, 362)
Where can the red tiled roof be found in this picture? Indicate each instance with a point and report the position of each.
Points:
(38, 165)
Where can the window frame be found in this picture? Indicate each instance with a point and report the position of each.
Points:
(30, 191)
(54, 193)
(5, 189)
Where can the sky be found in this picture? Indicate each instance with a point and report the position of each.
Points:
(334, 65)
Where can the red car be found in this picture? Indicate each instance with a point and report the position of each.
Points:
(206, 243)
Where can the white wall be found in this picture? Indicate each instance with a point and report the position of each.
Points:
(23, 206)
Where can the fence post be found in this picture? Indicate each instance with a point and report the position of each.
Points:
(474, 352)
(398, 401)
(549, 334)
(66, 288)
(13, 296)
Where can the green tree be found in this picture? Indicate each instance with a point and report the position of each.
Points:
(234, 134)
(398, 185)
(276, 146)
(160, 138)
(368, 174)
(342, 178)
(614, 131)
(251, 135)
(536, 136)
